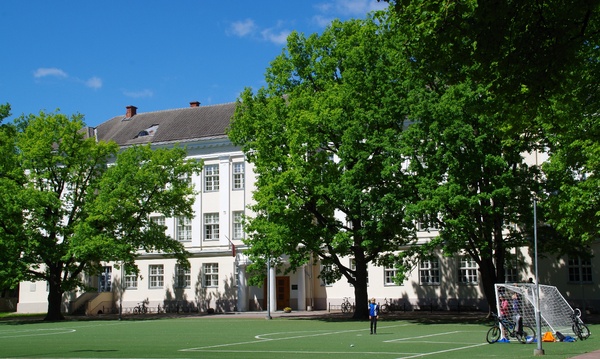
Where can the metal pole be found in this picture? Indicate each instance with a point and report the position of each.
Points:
(268, 295)
(538, 323)
(122, 289)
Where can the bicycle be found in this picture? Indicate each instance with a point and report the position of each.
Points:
(346, 306)
(388, 306)
(523, 333)
(579, 328)
(140, 308)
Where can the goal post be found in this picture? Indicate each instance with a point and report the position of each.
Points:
(555, 311)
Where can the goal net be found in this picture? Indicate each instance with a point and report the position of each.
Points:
(555, 312)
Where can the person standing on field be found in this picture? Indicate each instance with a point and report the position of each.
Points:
(373, 315)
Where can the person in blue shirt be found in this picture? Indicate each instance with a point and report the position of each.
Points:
(373, 315)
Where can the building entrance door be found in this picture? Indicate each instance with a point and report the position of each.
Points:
(282, 291)
(105, 280)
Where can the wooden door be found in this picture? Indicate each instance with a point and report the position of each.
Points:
(282, 292)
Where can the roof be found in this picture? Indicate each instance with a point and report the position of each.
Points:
(177, 125)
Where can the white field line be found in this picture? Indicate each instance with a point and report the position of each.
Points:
(261, 338)
(34, 332)
(443, 351)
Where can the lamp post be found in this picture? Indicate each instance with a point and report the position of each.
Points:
(268, 295)
(538, 324)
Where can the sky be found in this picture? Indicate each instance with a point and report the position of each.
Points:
(96, 57)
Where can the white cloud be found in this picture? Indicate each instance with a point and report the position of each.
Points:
(354, 8)
(94, 82)
(242, 28)
(138, 94)
(276, 37)
(49, 71)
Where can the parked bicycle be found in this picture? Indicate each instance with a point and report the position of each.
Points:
(523, 333)
(346, 305)
(140, 308)
(389, 306)
(579, 328)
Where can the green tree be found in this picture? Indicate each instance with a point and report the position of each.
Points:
(11, 180)
(323, 137)
(77, 210)
(499, 79)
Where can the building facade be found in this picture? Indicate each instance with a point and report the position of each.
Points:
(216, 279)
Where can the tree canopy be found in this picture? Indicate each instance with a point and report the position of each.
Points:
(78, 202)
(323, 137)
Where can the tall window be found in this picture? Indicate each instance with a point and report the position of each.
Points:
(389, 273)
(324, 270)
(211, 226)
(157, 275)
(238, 230)
(211, 178)
(211, 274)
(428, 223)
(238, 175)
(160, 220)
(429, 271)
(353, 267)
(131, 281)
(580, 270)
(467, 272)
(511, 270)
(184, 229)
(183, 277)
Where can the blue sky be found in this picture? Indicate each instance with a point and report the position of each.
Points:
(97, 57)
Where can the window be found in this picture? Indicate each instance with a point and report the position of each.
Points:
(238, 175)
(389, 273)
(511, 270)
(184, 229)
(429, 271)
(157, 275)
(211, 226)
(238, 230)
(211, 274)
(131, 281)
(580, 270)
(428, 223)
(160, 220)
(468, 271)
(183, 277)
(211, 178)
(325, 269)
(353, 268)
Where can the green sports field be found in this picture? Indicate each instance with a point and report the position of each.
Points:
(236, 336)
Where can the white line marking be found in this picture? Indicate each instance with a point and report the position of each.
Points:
(420, 337)
(443, 351)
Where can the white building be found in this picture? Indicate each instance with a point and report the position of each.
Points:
(214, 236)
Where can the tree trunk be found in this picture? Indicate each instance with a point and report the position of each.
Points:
(361, 297)
(55, 297)
(488, 279)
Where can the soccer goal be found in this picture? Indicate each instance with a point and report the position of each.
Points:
(555, 312)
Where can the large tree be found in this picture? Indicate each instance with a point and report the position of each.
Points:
(323, 136)
(499, 79)
(78, 211)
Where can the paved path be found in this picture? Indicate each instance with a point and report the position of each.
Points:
(592, 355)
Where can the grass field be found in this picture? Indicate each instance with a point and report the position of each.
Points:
(236, 336)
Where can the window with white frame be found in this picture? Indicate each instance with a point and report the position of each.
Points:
(211, 226)
(389, 273)
(467, 273)
(238, 230)
(511, 270)
(183, 277)
(184, 229)
(580, 270)
(131, 281)
(429, 271)
(238, 175)
(353, 267)
(211, 178)
(210, 273)
(325, 269)
(428, 223)
(160, 220)
(156, 275)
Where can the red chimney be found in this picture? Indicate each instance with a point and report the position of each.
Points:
(131, 111)
(195, 104)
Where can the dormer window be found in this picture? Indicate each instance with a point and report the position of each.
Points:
(150, 131)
